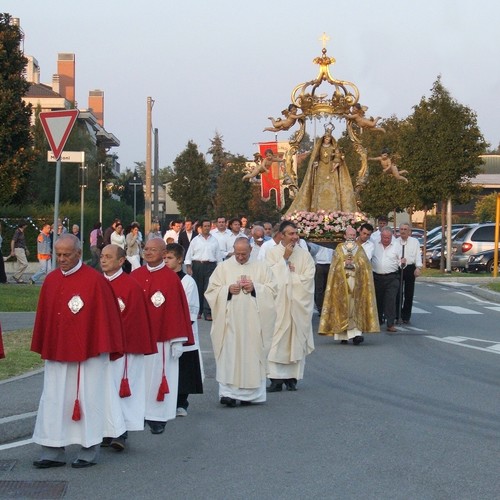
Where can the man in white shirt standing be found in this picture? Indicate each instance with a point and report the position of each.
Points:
(364, 233)
(221, 233)
(411, 262)
(386, 261)
(201, 259)
(173, 232)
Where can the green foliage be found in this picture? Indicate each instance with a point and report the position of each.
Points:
(15, 140)
(219, 162)
(440, 144)
(259, 210)
(233, 195)
(190, 185)
(486, 207)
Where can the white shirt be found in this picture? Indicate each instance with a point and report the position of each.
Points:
(223, 238)
(265, 247)
(386, 260)
(171, 234)
(368, 247)
(320, 254)
(410, 250)
(204, 249)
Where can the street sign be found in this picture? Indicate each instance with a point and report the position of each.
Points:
(68, 157)
(57, 126)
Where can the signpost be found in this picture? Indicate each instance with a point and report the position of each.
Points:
(57, 126)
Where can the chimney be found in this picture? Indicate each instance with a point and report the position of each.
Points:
(32, 70)
(56, 84)
(96, 104)
(66, 72)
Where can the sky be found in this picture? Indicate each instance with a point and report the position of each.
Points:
(226, 65)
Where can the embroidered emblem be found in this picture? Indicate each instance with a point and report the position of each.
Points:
(121, 304)
(157, 299)
(75, 304)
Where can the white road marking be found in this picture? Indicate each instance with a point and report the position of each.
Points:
(493, 308)
(473, 297)
(494, 347)
(415, 329)
(459, 310)
(15, 445)
(417, 310)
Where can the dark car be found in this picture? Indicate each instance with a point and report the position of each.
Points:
(482, 262)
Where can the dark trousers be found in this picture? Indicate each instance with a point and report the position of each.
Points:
(386, 292)
(320, 279)
(407, 292)
(3, 276)
(201, 274)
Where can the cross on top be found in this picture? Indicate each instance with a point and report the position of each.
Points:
(324, 39)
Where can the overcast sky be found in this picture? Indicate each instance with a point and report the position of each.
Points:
(226, 65)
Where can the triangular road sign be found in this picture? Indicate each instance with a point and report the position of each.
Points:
(57, 126)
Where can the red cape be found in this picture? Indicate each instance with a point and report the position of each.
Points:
(96, 328)
(138, 336)
(171, 319)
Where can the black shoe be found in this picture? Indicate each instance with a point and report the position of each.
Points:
(406, 322)
(245, 403)
(344, 341)
(47, 464)
(358, 339)
(291, 384)
(276, 385)
(156, 427)
(229, 402)
(79, 463)
(106, 442)
(118, 443)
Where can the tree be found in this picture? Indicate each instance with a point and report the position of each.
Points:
(15, 140)
(441, 143)
(189, 186)
(305, 145)
(219, 161)
(486, 207)
(233, 195)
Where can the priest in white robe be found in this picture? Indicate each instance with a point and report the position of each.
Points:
(293, 268)
(241, 295)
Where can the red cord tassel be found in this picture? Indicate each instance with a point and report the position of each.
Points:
(163, 389)
(125, 391)
(77, 413)
(125, 388)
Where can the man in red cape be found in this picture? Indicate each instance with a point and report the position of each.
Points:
(129, 374)
(171, 327)
(77, 330)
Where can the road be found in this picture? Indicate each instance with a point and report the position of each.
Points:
(409, 415)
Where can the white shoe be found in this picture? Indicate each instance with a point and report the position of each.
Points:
(181, 412)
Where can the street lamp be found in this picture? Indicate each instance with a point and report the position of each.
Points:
(136, 181)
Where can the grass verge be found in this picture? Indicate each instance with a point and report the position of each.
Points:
(18, 357)
(18, 298)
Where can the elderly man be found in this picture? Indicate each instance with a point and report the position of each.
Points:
(256, 241)
(241, 294)
(350, 306)
(129, 375)
(386, 261)
(293, 268)
(171, 327)
(77, 329)
(411, 263)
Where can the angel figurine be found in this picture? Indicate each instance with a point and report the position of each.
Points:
(388, 167)
(358, 117)
(279, 124)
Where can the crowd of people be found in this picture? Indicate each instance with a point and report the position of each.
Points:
(120, 342)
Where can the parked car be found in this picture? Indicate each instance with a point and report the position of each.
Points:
(433, 249)
(482, 262)
(470, 241)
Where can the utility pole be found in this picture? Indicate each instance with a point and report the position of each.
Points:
(147, 194)
(101, 166)
(156, 171)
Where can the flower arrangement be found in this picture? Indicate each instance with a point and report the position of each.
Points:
(323, 225)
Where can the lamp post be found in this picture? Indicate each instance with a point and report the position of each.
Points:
(101, 166)
(136, 181)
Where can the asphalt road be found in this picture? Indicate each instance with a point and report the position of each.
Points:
(409, 415)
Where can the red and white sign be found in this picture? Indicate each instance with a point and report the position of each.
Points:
(57, 126)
